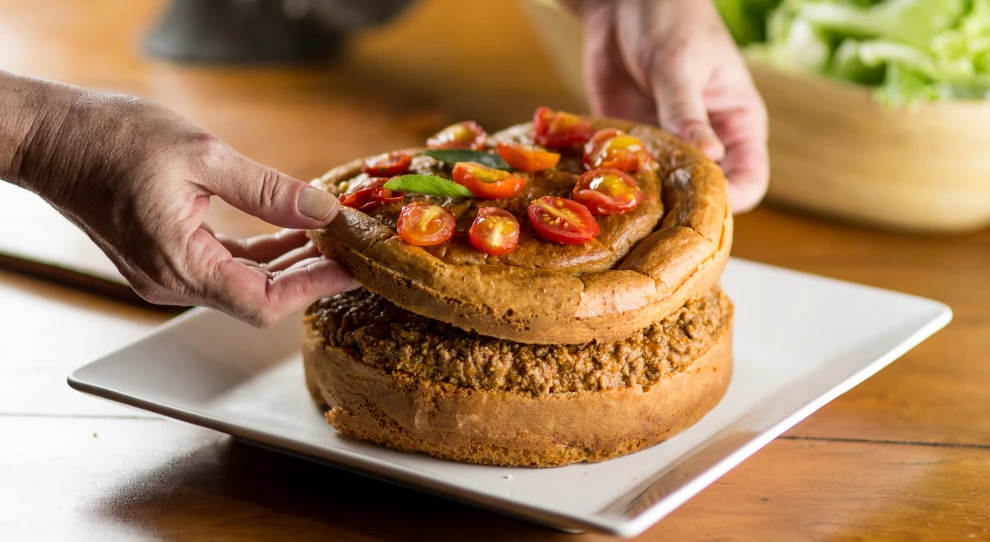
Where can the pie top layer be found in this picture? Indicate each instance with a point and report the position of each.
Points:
(643, 265)
(618, 233)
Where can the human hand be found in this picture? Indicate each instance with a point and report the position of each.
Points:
(138, 179)
(673, 62)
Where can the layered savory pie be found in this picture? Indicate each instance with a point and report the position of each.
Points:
(540, 296)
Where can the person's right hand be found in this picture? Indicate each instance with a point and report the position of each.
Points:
(672, 62)
(138, 179)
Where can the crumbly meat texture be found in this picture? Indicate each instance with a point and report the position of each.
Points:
(392, 339)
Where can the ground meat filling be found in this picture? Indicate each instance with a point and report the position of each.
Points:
(393, 339)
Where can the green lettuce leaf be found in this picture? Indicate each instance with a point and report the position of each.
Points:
(848, 65)
(909, 51)
(431, 185)
(795, 43)
(904, 88)
(914, 22)
(746, 19)
(452, 156)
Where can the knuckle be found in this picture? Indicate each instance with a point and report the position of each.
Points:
(269, 188)
(211, 151)
(672, 58)
(682, 117)
(683, 113)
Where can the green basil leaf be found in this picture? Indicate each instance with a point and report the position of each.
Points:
(452, 156)
(430, 185)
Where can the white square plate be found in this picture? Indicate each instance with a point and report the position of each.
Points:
(800, 341)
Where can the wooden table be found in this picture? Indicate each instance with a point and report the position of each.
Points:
(906, 455)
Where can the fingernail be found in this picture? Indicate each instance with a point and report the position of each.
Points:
(316, 203)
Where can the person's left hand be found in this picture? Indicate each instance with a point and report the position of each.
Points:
(138, 179)
(674, 62)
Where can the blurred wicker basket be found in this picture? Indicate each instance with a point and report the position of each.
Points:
(834, 151)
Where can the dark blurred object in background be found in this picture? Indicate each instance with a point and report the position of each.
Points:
(248, 31)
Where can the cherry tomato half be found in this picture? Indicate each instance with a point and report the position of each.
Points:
(486, 182)
(562, 220)
(463, 135)
(388, 164)
(368, 198)
(367, 182)
(423, 225)
(495, 231)
(600, 137)
(528, 158)
(607, 191)
(560, 130)
(611, 148)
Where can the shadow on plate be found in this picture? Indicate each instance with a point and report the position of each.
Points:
(230, 490)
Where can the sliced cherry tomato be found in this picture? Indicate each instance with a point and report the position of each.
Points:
(388, 164)
(367, 182)
(486, 182)
(562, 220)
(600, 137)
(392, 197)
(463, 135)
(368, 198)
(495, 231)
(607, 191)
(611, 148)
(423, 225)
(528, 158)
(560, 130)
(369, 193)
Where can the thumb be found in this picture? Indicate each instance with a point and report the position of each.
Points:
(680, 98)
(272, 196)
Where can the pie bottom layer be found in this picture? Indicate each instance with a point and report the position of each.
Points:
(607, 400)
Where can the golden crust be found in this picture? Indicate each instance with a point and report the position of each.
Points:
(681, 258)
(504, 428)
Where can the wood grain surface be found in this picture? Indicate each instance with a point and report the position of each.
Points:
(904, 456)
